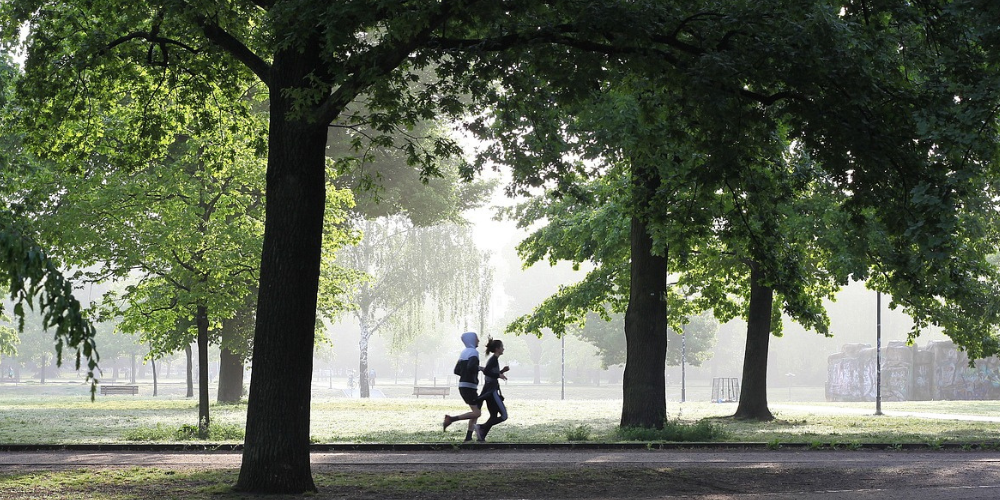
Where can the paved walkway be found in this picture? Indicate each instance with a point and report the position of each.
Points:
(726, 474)
(523, 458)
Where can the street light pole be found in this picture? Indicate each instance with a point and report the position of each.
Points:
(683, 362)
(878, 353)
(562, 390)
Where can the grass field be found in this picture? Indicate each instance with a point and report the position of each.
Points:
(63, 413)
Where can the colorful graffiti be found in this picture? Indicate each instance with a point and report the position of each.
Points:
(910, 373)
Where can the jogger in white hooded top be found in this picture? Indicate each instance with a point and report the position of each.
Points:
(467, 368)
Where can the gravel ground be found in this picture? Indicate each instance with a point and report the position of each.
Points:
(559, 474)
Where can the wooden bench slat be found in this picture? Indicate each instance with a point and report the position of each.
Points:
(119, 389)
(443, 391)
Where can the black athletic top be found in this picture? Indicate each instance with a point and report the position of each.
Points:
(491, 376)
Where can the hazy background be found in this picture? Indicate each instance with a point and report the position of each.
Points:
(797, 364)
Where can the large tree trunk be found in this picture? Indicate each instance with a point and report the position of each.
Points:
(753, 390)
(534, 345)
(203, 416)
(230, 376)
(152, 364)
(416, 369)
(189, 370)
(644, 399)
(276, 450)
(366, 335)
(234, 344)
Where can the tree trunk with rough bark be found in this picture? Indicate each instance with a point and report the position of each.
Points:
(230, 377)
(156, 384)
(753, 389)
(276, 449)
(234, 342)
(644, 400)
(203, 416)
(189, 370)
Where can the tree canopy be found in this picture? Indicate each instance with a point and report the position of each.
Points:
(894, 100)
(820, 141)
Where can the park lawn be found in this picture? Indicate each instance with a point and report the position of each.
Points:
(71, 417)
(67, 417)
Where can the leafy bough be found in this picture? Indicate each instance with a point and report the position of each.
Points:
(29, 275)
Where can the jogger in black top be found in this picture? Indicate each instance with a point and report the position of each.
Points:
(492, 373)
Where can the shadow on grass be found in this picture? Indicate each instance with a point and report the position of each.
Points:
(118, 483)
(538, 482)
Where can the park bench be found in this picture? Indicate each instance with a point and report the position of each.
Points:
(423, 390)
(119, 389)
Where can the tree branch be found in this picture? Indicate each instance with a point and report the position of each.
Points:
(557, 35)
(237, 49)
(215, 34)
(379, 61)
(769, 99)
(149, 37)
(561, 35)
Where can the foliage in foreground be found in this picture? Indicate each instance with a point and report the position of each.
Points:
(186, 432)
(29, 275)
(676, 431)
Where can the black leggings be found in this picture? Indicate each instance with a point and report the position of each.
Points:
(497, 410)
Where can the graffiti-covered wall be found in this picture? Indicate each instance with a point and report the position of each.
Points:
(910, 373)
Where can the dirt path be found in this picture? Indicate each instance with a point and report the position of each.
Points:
(598, 474)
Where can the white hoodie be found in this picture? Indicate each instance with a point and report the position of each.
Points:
(468, 362)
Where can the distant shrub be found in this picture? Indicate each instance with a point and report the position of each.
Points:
(674, 431)
(186, 432)
(578, 433)
(158, 433)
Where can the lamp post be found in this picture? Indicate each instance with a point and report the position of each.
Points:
(562, 390)
(683, 362)
(878, 353)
